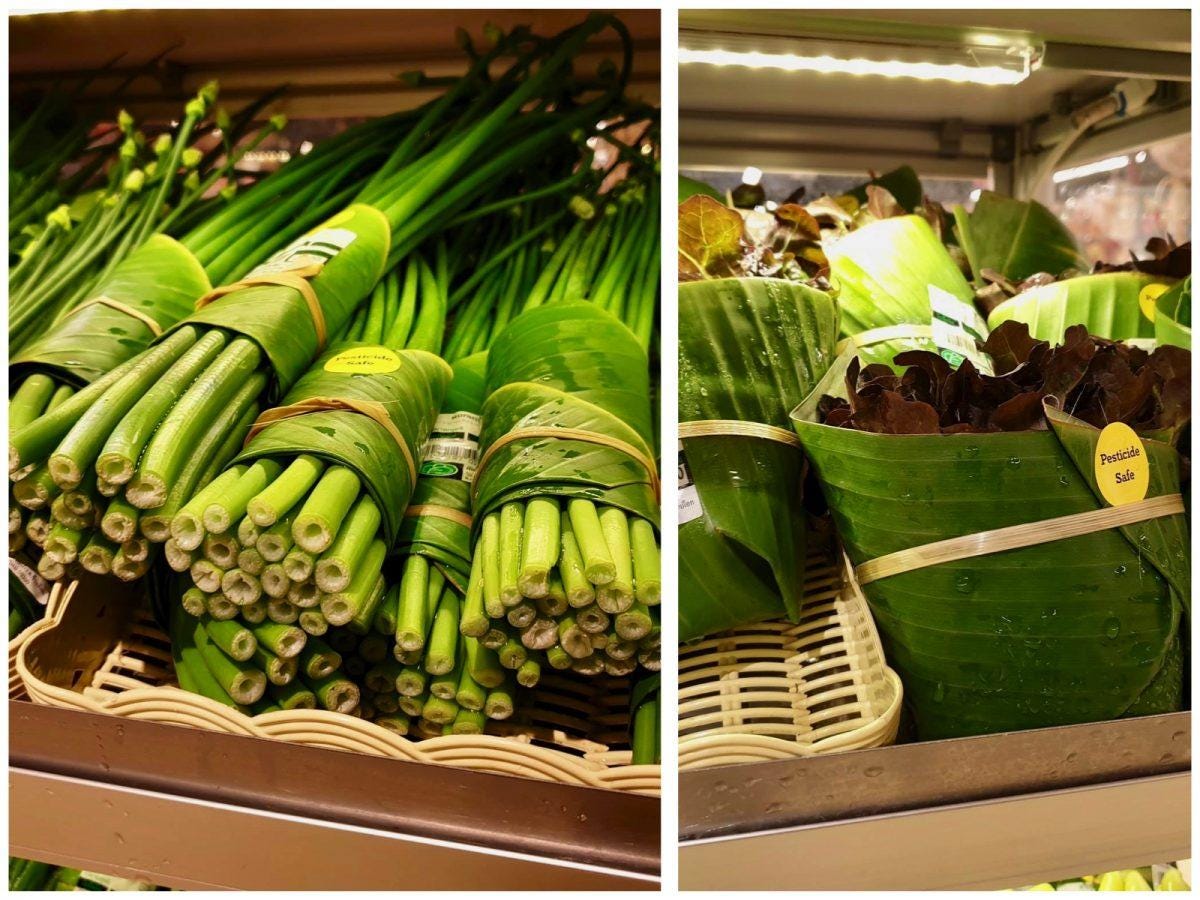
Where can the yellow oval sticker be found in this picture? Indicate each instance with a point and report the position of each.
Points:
(1148, 299)
(364, 361)
(1122, 471)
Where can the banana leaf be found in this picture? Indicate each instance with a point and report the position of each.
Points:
(567, 365)
(902, 183)
(355, 242)
(689, 187)
(1108, 304)
(749, 349)
(895, 272)
(161, 279)
(1016, 238)
(1173, 315)
(1077, 630)
(412, 394)
(445, 479)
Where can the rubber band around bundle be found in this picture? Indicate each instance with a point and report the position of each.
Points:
(296, 279)
(886, 333)
(1015, 537)
(369, 408)
(441, 512)
(567, 434)
(737, 428)
(146, 319)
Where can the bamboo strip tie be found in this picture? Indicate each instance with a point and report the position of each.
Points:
(1015, 537)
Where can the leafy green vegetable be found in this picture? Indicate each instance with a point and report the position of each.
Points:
(1099, 381)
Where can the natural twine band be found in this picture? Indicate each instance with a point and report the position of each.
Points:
(886, 333)
(145, 319)
(567, 434)
(370, 408)
(441, 512)
(737, 428)
(1017, 536)
(296, 279)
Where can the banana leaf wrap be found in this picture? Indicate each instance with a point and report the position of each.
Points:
(750, 350)
(567, 365)
(161, 280)
(1108, 304)
(1075, 630)
(445, 482)
(1016, 238)
(1173, 315)
(896, 273)
(356, 242)
(412, 393)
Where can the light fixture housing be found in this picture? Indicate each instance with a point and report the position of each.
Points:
(985, 63)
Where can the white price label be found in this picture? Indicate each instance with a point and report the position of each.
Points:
(958, 330)
(689, 498)
(316, 248)
(452, 450)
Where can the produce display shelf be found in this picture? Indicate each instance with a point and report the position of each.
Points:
(190, 809)
(989, 812)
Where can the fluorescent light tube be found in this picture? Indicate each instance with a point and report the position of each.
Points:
(894, 68)
(1105, 165)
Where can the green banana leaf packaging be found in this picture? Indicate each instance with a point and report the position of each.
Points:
(147, 293)
(749, 350)
(1020, 537)
(899, 289)
(565, 564)
(1026, 267)
(756, 333)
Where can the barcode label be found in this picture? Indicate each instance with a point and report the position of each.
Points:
(958, 330)
(317, 248)
(38, 586)
(452, 450)
(689, 498)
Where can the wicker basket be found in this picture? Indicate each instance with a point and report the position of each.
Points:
(779, 690)
(98, 651)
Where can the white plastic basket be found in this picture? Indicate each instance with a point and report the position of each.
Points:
(98, 651)
(779, 690)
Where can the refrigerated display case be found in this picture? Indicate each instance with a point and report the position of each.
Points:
(104, 774)
(832, 792)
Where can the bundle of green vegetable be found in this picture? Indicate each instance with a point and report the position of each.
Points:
(750, 349)
(398, 658)
(266, 667)
(1061, 622)
(645, 730)
(303, 518)
(28, 875)
(565, 565)
(159, 188)
(601, 245)
(128, 435)
(151, 290)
